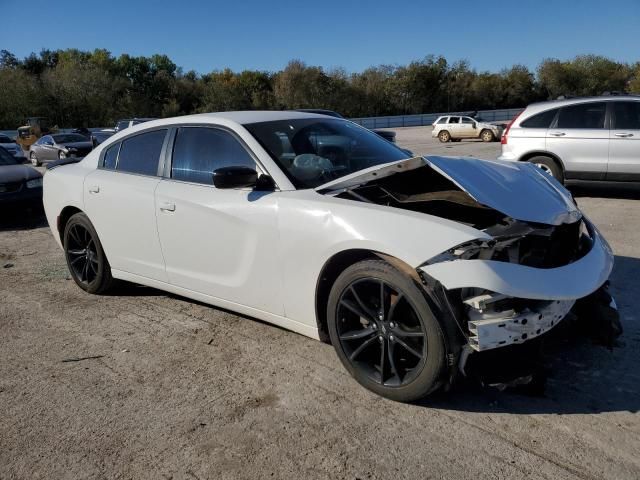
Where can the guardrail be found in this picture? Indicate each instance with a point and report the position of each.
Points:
(422, 119)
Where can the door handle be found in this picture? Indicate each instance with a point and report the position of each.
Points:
(94, 189)
(624, 135)
(558, 134)
(168, 207)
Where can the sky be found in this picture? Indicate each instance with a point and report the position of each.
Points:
(264, 35)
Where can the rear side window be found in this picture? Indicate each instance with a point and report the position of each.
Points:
(198, 151)
(111, 156)
(140, 154)
(584, 115)
(541, 120)
(454, 120)
(626, 115)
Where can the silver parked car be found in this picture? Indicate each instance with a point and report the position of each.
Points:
(456, 127)
(59, 146)
(594, 138)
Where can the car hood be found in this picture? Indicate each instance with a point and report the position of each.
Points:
(17, 173)
(519, 190)
(76, 145)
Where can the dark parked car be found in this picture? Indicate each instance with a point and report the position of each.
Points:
(100, 136)
(59, 145)
(19, 184)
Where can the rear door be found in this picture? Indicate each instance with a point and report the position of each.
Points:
(579, 136)
(453, 125)
(119, 200)
(219, 242)
(624, 149)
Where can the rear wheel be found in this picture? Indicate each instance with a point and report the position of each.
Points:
(444, 136)
(86, 260)
(549, 165)
(487, 136)
(384, 331)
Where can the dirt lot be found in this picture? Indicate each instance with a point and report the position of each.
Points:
(170, 388)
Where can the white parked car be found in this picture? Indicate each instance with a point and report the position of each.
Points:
(457, 127)
(315, 224)
(596, 138)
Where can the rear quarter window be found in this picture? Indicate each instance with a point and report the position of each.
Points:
(141, 153)
(540, 120)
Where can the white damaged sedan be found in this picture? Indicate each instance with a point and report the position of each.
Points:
(407, 265)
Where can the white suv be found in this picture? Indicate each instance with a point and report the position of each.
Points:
(595, 138)
(456, 127)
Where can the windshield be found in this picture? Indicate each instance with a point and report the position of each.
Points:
(7, 159)
(69, 137)
(314, 151)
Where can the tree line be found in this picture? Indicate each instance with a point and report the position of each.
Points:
(81, 88)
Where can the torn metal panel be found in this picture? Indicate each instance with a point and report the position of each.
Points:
(492, 328)
(569, 282)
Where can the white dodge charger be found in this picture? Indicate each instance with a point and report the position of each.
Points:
(406, 265)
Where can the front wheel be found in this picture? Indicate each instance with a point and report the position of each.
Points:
(487, 136)
(384, 331)
(85, 257)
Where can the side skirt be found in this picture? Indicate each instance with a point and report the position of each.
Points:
(287, 323)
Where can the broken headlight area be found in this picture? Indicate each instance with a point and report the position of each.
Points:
(523, 243)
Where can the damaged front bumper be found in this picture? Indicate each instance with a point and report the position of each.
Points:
(508, 303)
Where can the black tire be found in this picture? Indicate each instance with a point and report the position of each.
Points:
(549, 165)
(407, 341)
(85, 257)
(487, 136)
(34, 159)
(444, 136)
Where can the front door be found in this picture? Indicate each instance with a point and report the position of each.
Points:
(218, 242)
(624, 146)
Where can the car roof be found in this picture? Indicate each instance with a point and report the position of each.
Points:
(547, 105)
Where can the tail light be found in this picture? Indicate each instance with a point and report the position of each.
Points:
(503, 140)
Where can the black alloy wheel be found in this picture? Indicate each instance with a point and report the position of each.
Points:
(380, 331)
(85, 257)
(385, 332)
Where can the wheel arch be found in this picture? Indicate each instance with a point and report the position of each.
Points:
(65, 214)
(542, 153)
(337, 264)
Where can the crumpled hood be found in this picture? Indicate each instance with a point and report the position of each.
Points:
(519, 190)
(17, 173)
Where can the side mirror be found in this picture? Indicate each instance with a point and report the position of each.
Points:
(242, 177)
(234, 177)
(475, 125)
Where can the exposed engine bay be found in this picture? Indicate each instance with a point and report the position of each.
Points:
(535, 252)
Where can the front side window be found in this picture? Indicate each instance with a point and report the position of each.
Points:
(626, 115)
(583, 115)
(140, 154)
(541, 120)
(454, 120)
(198, 151)
(111, 156)
(466, 120)
(314, 151)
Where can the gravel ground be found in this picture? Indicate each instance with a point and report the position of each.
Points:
(141, 384)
